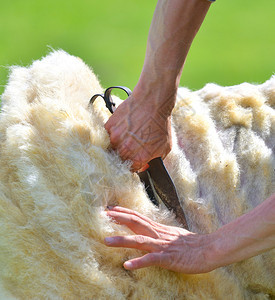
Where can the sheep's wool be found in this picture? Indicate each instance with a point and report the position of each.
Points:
(58, 174)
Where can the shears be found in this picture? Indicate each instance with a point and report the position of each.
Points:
(156, 179)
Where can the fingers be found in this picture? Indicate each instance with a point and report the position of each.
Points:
(140, 224)
(135, 223)
(137, 242)
(136, 136)
(136, 156)
(114, 134)
(145, 167)
(136, 166)
(108, 126)
(148, 260)
(160, 229)
(127, 148)
(131, 212)
(133, 149)
(154, 258)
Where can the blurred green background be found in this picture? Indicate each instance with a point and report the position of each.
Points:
(236, 42)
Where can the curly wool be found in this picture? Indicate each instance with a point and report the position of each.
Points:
(58, 174)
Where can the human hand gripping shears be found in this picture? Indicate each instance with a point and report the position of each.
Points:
(156, 179)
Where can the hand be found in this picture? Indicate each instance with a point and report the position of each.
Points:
(169, 247)
(139, 131)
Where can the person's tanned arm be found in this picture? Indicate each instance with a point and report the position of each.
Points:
(140, 128)
(247, 236)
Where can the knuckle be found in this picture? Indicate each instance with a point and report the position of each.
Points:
(140, 239)
(112, 140)
(163, 244)
(138, 162)
(134, 219)
(107, 126)
(155, 258)
(114, 137)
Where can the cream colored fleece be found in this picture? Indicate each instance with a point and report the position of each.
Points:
(58, 174)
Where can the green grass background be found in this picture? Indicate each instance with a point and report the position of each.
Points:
(236, 42)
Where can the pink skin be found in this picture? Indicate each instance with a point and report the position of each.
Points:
(183, 251)
(138, 132)
(169, 247)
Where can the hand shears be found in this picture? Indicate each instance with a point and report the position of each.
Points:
(156, 179)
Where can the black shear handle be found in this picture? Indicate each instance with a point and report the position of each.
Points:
(108, 98)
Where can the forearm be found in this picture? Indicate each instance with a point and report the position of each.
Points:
(174, 26)
(247, 236)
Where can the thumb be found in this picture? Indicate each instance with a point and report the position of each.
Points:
(150, 259)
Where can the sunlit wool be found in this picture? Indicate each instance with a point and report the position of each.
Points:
(58, 174)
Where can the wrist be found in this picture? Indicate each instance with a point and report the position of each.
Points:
(226, 246)
(211, 251)
(156, 95)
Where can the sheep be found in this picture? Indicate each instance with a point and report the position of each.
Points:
(58, 174)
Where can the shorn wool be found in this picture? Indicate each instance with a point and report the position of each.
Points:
(58, 174)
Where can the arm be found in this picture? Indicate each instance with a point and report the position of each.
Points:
(174, 26)
(187, 252)
(140, 127)
(247, 236)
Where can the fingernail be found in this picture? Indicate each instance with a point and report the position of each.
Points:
(128, 265)
(109, 240)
